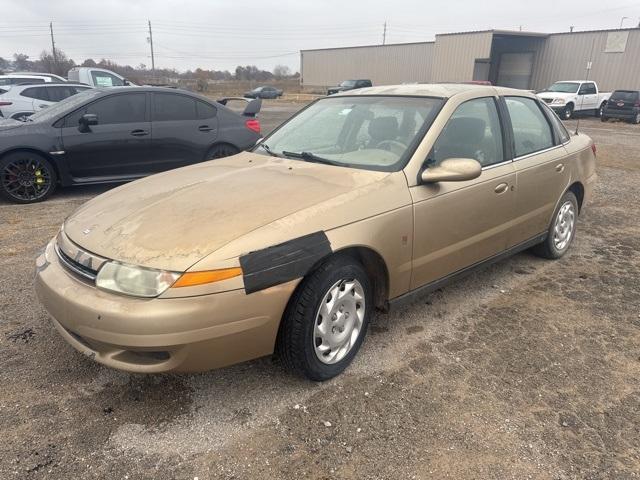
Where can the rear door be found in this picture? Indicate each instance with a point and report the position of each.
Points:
(39, 97)
(539, 161)
(118, 147)
(184, 129)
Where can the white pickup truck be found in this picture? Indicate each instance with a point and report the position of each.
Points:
(568, 97)
(97, 77)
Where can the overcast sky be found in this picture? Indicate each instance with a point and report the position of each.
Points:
(220, 34)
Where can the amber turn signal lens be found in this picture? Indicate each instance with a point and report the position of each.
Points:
(191, 279)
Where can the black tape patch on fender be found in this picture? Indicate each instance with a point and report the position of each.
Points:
(284, 262)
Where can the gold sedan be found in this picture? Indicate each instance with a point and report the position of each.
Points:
(359, 202)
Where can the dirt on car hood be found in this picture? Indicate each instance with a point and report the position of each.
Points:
(172, 220)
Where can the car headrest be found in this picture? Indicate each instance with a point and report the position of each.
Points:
(465, 130)
(384, 128)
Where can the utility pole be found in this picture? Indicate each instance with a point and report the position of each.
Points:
(53, 46)
(384, 33)
(153, 60)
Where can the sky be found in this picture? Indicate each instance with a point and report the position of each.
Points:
(220, 34)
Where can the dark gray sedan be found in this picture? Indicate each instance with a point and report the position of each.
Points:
(115, 135)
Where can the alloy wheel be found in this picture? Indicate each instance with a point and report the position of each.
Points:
(339, 320)
(26, 179)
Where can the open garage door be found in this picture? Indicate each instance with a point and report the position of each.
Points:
(515, 70)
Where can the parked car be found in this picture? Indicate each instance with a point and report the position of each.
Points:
(25, 78)
(115, 135)
(21, 101)
(362, 200)
(264, 92)
(54, 78)
(623, 104)
(349, 85)
(569, 97)
(97, 77)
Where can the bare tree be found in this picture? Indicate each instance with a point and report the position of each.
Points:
(281, 71)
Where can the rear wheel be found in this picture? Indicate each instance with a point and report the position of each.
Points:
(326, 320)
(562, 229)
(26, 177)
(600, 111)
(221, 150)
(604, 119)
(636, 120)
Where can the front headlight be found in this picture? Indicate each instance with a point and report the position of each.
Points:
(558, 101)
(136, 281)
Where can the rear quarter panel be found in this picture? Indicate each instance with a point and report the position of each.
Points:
(582, 163)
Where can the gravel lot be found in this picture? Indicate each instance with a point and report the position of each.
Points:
(529, 369)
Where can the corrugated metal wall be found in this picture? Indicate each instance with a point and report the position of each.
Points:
(565, 57)
(455, 55)
(382, 64)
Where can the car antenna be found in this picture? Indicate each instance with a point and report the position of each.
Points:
(586, 78)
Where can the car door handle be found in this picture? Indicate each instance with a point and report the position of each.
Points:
(205, 128)
(501, 188)
(560, 168)
(139, 133)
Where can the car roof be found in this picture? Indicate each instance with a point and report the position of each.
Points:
(440, 90)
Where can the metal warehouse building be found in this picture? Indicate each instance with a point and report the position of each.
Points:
(508, 58)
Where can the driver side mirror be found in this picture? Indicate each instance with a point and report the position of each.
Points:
(87, 120)
(452, 170)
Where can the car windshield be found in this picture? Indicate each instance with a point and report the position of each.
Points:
(257, 89)
(65, 106)
(348, 83)
(369, 132)
(624, 96)
(564, 87)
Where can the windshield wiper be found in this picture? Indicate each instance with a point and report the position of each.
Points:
(311, 157)
(266, 148)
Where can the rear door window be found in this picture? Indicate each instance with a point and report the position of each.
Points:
(531, 130)
(39, 93)
(58, 93)
(168, 106)
(205, 110)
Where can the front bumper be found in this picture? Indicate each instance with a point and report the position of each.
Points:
(159, 335)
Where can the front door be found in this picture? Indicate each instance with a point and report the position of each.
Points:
(458, 224)
(118, 147)
(587, 97)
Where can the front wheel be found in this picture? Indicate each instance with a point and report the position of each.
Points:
(326, 320)
(562, 229)
(567, 112)
(600, 111)
(26, 177)
(636, 120)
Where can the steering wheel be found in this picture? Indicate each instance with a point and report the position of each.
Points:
(394, 146)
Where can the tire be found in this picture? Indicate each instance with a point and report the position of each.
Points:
(26, 177)
(301, 345)
(600, 110)
(637, 119)
(558, 242)
(221, 150)
(604, 119)
(567, 112)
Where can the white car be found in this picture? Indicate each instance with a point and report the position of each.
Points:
(20, 101)
(97, 77)
(569, 96)
(29, 77)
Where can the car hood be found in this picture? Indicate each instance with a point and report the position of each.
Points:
(174, 219)
(10, 124)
